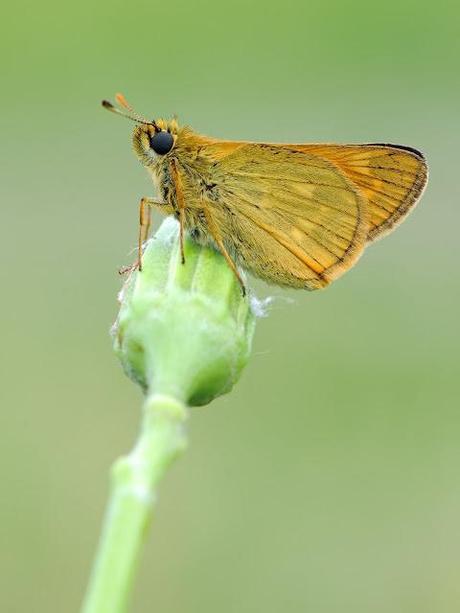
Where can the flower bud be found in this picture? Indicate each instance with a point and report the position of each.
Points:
(184, 330)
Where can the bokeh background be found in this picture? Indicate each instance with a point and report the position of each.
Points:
(328, 480)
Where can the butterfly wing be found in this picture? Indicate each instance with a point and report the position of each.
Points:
(291, 217)
(391, 178)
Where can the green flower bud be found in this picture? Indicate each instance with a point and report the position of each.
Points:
(184, 330)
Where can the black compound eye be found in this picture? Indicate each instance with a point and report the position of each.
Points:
(162, 142)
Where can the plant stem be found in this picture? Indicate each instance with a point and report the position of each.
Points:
(134, 481)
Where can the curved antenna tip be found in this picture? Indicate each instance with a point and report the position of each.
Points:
(122, 101)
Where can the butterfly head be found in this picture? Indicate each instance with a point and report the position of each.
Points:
(152, 139)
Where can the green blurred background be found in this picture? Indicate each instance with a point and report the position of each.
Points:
(328, 481)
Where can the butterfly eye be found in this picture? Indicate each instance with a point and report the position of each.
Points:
(162, 142)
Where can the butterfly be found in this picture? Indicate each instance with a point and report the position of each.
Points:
(296, 215)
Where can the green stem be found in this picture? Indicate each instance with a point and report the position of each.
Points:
(133, 487)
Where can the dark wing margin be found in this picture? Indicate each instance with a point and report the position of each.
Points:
(391, 177)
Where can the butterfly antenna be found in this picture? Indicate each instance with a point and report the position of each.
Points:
(132, 115)
(124, 103)
(113, 109)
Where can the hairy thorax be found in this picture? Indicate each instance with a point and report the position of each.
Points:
(198, 168)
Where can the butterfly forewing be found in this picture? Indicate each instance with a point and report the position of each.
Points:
(295, 218)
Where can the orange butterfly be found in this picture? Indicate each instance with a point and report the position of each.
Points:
(295, 215)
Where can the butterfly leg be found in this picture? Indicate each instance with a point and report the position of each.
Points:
(181, 205)
(214, 231)
(144, 226)
(145, 218)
